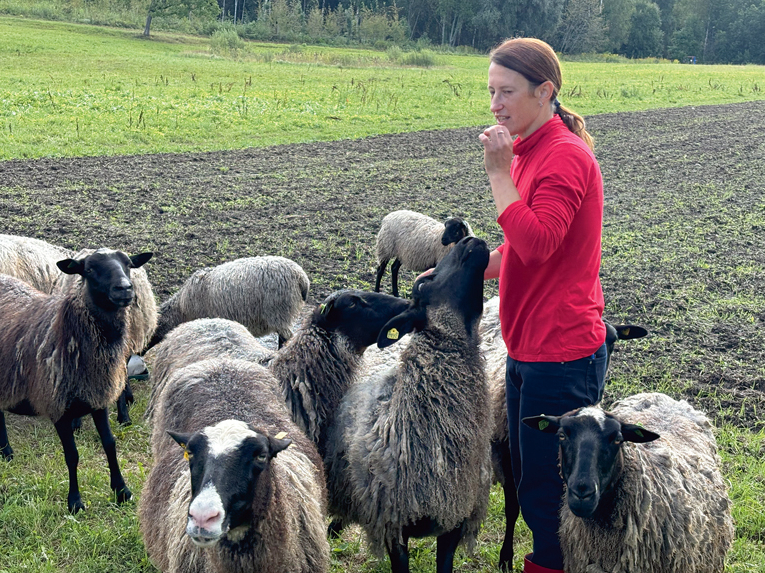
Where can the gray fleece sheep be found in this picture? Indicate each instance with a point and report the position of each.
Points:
(408, 455)
(245, 501)
(34, 261)
(63, 355)
(495, 352)
(265, 294)
(638, 501)
(321, 362)
(416, 242)
(198, 340)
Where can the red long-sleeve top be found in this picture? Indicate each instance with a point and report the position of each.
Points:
(551, 300)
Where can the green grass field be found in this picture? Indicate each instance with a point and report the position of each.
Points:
(73, 90)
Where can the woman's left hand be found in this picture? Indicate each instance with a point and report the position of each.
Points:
(497, 150)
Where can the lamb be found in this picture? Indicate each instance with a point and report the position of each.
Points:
(408, 454)
(415, 241)
(495, 353)
(252, 495)
(198, 340)
(265, 294)
(63, 355)
(660, 506)
(34, 261)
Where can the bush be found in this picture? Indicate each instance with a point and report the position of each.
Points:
(225, 42)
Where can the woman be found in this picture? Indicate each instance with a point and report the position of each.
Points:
(548, 191)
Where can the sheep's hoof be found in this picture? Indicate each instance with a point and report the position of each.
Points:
(124, 420)
(335, 529)
(123, 495)
(75, 504)
(7, 453)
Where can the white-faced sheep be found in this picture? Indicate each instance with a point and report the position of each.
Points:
(416, 242)
(63, 355)
(265, 294)
(495, 353)
(643, 488)
(34, 261)
(199, 340)
(244, 501)
(409, 452)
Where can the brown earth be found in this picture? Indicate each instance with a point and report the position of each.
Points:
(683, 232)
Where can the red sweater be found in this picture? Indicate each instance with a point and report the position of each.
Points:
(551, 301)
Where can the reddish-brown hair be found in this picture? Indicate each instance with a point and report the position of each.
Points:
(536, 61)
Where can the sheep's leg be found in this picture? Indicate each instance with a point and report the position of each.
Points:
(5, 445)
(446, 545)
(399, 556)
(101, 420)
(380, 272)
(512, 509)
(123, 412)
(394, 276)
(72, 458)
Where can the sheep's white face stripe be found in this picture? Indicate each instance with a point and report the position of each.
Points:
(595, 413)
(226, 436)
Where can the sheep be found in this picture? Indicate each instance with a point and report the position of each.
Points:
(495, 353)
(63, 355)
(322, 360)
(249, 498)
(198, 340)
(265, 294)
(415, 241)
(408, 454)
(34, 261)
(643, 488)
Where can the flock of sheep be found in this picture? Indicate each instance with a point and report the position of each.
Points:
(378, 411)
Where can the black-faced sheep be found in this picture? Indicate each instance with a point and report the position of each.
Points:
(63, 355)
(265, 294)
(408, 455)
(34, 261)
(244, 501)
(199, 340)
(495, 353)
(321, 361)
(643, 488)
(416, 242)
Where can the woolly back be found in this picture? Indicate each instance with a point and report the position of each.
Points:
(32, 260)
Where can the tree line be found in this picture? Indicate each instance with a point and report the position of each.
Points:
(698, 31)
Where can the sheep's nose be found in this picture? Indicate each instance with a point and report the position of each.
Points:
(583, 489)
(207, 519)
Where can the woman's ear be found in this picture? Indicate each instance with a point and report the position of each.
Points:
(544, 91)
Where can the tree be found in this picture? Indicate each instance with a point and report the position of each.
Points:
(180, 8)
(617, 15)
(645, 37)
(581, 28)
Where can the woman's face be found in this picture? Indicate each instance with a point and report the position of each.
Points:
(514, 103)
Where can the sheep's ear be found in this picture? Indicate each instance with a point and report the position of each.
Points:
(71, 266)
(638, 434)
(406, 322)
(140, 260)
(278, 443)
(181, 439)
(546, 424)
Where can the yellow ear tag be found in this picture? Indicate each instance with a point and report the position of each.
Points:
(392, 334)
(626, 332)
(543, 424)
(185, 454)
(281, 435)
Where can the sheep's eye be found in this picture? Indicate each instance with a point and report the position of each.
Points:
(562, 436)
(261, 458)
(617, 439)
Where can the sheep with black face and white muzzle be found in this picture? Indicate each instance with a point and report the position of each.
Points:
(63, 355)
(408, 455)
(265, 294)
(643, 488)
(415, 242)
(251, 496)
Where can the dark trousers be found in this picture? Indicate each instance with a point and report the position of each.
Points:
(550, 388)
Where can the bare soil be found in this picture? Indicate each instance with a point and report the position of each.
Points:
(683, 233)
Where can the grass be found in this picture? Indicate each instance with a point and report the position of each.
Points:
(73, 90)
